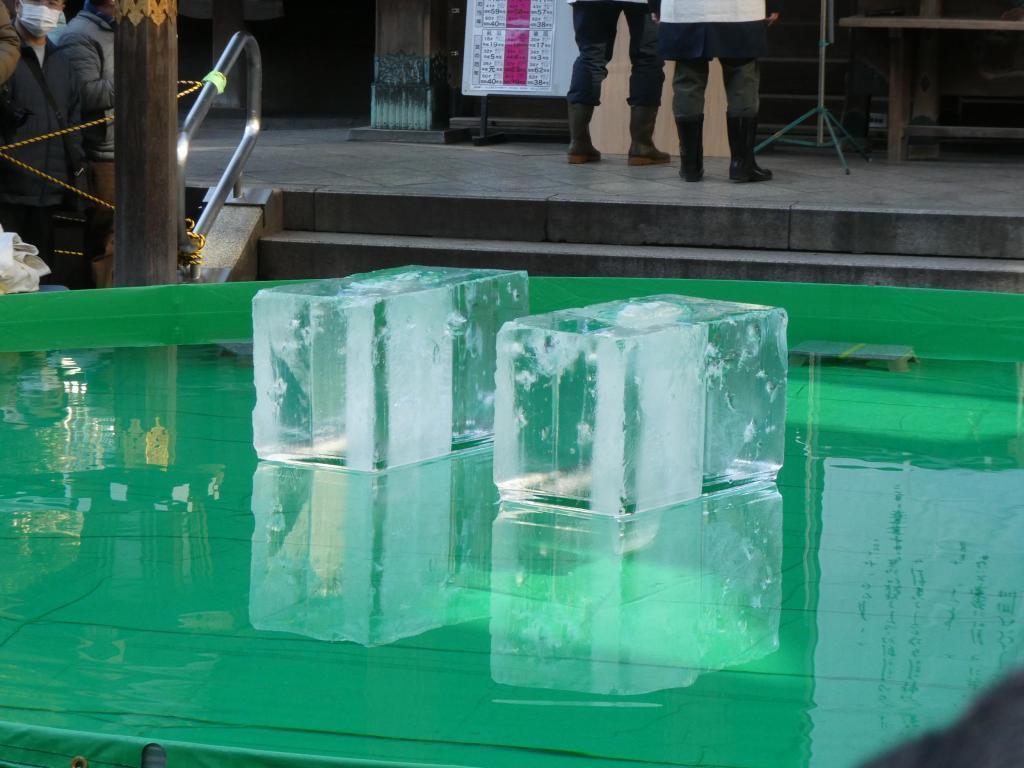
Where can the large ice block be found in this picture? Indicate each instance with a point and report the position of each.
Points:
(624, 606)
(339, 555)
(638, 404)
(382, 369)
(747, 369)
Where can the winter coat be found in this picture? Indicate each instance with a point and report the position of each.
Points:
(88, 42)
(10, 46)
(17, 186)
(710, 29)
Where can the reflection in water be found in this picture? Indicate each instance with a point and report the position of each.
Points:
(600, 605)
(921, 595)
(371, 557)
(1018, 444)
(85, 410)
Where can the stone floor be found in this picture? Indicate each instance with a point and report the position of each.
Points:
(322, 158)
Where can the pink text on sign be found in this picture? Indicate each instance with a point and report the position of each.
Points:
(517, 13)
(517, 56)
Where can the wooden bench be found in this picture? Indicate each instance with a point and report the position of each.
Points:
(901, 72)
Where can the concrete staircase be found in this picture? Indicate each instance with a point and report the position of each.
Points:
(333, 233)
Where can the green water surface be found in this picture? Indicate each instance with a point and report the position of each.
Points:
(157, 584)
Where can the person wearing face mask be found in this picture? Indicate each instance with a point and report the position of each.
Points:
(58, 31)
(10, 46)
(42, 97)
(88, 43)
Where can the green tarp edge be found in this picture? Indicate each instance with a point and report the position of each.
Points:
(951, 324)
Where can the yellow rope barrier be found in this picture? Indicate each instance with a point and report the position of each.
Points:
(185, 259)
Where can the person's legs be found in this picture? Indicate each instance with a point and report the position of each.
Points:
(742, 88)
(645, 84)
(688, 87)
(14, 218)
(99, 238)
(33, 225)
(648, 74)
(595, 24)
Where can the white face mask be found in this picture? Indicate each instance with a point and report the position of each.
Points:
(39, 20)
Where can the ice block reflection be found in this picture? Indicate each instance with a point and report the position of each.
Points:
(595, 604)
(371, 558)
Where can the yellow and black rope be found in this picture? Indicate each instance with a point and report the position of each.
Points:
(185, 259)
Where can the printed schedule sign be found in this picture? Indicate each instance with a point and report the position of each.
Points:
(518, 46)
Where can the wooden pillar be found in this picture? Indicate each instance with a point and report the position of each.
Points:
(926, 85)
(410, 85)
(146, 127)
(229, 18)
(900, 46)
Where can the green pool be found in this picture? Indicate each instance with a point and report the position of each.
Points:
(159, 585)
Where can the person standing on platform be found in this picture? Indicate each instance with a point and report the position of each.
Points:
(88, 43)
(42, 97)
(691, 33)
(596, 23)
(10, 46)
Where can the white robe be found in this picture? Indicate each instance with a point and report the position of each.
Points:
(711, 11)
(20, 265)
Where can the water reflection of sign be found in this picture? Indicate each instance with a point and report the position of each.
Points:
(518, 46)
(921, 596)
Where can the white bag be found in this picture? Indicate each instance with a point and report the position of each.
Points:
(20, 265)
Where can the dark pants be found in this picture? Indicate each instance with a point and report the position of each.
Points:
(59, 237)
(99, 235)
(596, 24)
(34, 224)
(742, 87)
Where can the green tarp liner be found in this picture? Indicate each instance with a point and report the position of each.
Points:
(949, 323)
(127, 587)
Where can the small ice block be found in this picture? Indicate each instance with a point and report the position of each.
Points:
(350, 556)
(381, 369)
(626, 606)
(638, 404)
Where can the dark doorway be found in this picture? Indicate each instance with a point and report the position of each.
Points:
(317, 59)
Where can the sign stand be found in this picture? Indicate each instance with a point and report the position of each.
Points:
(516, 48)
(485, 138)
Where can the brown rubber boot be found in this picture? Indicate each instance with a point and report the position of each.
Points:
(581, 150)
(641, 128)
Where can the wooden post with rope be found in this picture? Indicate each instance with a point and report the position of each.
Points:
(146, 237)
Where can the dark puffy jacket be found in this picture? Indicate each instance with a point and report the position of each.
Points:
(16, 185)
(88, 42)
(10, 46)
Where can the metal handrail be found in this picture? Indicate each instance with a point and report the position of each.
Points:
(232, 178)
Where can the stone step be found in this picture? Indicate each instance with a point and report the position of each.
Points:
(682, 222)
(298, 255)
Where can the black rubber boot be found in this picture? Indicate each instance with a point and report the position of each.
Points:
(641, 130)
(581, 150)
(742, 140)
(691, 143)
